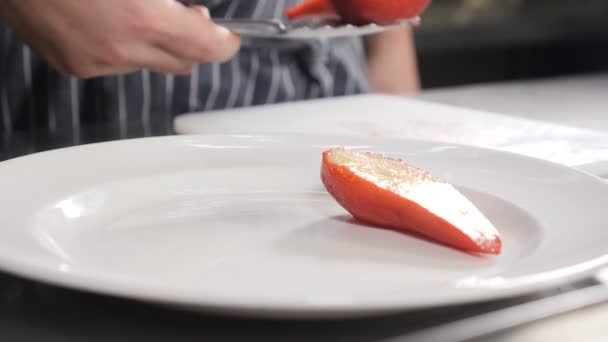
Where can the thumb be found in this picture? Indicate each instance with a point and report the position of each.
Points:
(202, 10)
(230, 46)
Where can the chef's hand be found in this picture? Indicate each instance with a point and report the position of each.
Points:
(88, 38)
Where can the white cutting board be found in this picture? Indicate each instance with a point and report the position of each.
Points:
(399, 117)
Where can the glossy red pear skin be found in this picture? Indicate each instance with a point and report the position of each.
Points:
(373, 204)
(379, 11)
(360, 12)
(311, 8)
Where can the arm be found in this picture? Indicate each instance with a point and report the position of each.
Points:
(392, 63)
(88, 38)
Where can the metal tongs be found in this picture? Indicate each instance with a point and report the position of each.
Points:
(306, 29)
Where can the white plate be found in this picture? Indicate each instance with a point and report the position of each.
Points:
(242, 225)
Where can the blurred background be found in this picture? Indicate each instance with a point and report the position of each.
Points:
(473, 41)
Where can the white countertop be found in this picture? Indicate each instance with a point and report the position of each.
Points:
(579, 101)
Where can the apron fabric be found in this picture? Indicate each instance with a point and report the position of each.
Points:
(38, 103)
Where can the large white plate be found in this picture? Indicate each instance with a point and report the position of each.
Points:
(242, 225)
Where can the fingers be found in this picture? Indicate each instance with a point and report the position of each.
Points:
(192, 35)
(137, 57)
(159, 60)
(124, 36)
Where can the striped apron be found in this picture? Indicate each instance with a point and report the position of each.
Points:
(40, 109)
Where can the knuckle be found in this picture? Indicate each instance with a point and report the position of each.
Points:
(75, 64)
(79, 70)
(205, 52)
(136, 14)
(175, 68)
(184, 69)
(69, 67)
(219, 51)
(109, 53)
(188, 70)
(145, 25)
(208, 51)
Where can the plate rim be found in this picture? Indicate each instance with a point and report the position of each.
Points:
(12, 261)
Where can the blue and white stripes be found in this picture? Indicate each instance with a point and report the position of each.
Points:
(34, 98)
